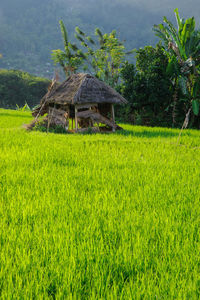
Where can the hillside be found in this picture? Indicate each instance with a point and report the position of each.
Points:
(113, 216)
(29, 29)
(18, 88)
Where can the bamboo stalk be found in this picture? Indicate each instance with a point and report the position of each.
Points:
(76, 120)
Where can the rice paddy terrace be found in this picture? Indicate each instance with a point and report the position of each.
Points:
(102, 216)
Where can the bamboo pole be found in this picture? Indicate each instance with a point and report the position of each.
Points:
(50, 115)
(112, 113)
(76, 120)
(113, 116)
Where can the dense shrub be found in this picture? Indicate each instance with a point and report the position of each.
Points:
(18, 88)
(148, 89)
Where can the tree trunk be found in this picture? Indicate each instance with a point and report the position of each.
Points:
(175, 101)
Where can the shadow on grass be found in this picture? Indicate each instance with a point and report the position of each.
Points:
(154, 132)
(147, 133)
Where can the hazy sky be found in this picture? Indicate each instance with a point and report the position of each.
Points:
(165, 7)
(162, 7)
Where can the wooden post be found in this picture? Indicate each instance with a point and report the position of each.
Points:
(50, 115)
(90, 123)
(76, 120)
(48, 120)
(113, 115)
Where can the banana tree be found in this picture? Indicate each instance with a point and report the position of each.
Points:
(182, 45)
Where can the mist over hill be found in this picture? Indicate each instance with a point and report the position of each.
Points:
(29, 29)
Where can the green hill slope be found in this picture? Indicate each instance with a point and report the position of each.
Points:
(18, 88)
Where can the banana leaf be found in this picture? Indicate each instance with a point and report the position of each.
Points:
(195, 107)
(179, 20)
(171, 67)
(196, 89)
(183, 84)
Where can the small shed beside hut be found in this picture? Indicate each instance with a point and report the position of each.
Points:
(81, 98)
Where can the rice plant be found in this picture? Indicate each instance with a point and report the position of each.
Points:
(102, 216)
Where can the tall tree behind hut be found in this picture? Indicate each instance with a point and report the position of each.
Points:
(102, 57)
(71, 58)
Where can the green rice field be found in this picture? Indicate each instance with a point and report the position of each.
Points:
(101, 216)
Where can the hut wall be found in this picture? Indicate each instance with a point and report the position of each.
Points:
(57, 117)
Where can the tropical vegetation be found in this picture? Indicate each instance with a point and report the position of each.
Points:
(182, 47)
(18, 88)
(162, 86)
(103, 57)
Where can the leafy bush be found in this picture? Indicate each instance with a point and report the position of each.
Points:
(41, 125)
(148, 89)
(24, 108)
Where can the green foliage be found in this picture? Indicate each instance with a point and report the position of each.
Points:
(24, 108)
(103, 57)
(70, 59)
(147, 88)
(162, 87)
(20, 88)
(183, 49)
(195, 106)
(113, 216)
(127, 88)
(41, 126)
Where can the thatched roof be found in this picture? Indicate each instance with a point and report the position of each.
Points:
(83, 88)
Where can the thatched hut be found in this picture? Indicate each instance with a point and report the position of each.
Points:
(82, 98)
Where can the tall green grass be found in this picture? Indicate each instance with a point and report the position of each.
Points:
(105, 216)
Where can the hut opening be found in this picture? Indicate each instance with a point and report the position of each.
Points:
(79, 103)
